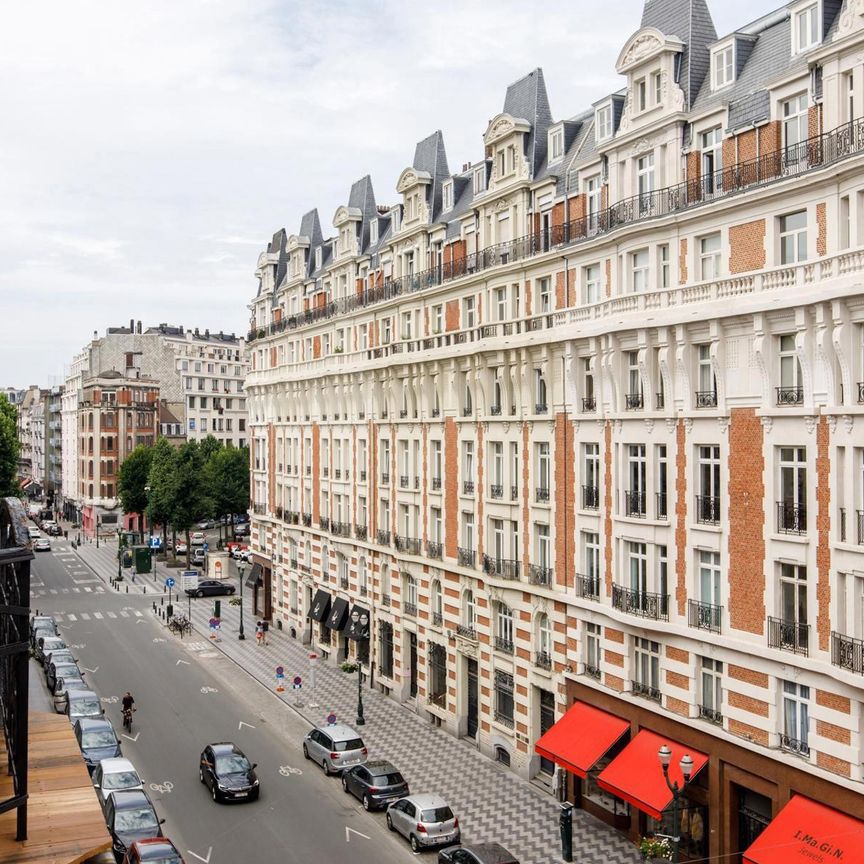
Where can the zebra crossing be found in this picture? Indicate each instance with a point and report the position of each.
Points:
(72, 617)
(79, 588)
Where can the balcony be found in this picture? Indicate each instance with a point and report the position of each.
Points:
(495, 410)
(539, 574)
(466, 631)
(433, 550)
(541, 494)
(641, 603)
(438, 619)
(292, 517)
(385, 479)
(436, 484)
(861, 392)
(408, 545)
(506, 568)
(794, 745)
(340, 529)
(258, 509)
(403, 414)
(324, 523)
(363, 476)
(589, 404)
(634, 401)
(337, 474)
(385, 599)
(505, 645)
(793, 636)
(645, 691)
(587, 587)
(860, 532)
(541, 408)
(706, 398)
(383, 537)
(361, 532)
(847, 652)
(590, 497)
(542, 660)
(791, 518)
(436, 412)
(325, 472)
(410, 609)
(466, 557)
(634, 503)
(496, 491)
(343, 583)
(467, 412)
(514, 493)
(790, 395)
(293, 563)
(307, 520)
(467, 487)
(659, 401)
(404, 480)
(704, 616)
(707, 510)
(416, 482)
(712, 715)
(660, 505)
(592, 671)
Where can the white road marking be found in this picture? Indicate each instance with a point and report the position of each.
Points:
(196, 855)
(213, 690)
(97, 615)
(167, 786)
(71, 618)
(349, 831)
(132, 737)
(85, 616)
(90, 670)
(112, 614)
(209, 654)
(138, 614)
(124, 614)
(244, 723)
(184, 662)
(288, 770)
(159, 639)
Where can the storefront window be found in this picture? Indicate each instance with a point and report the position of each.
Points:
(693, 828)
(602, 797)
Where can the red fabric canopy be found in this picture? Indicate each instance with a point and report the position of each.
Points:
(635, 774)
(581, 737)
(807, 831)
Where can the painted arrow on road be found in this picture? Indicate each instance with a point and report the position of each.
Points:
(244, 723)
(130, 737)
(205, 860)
(350, 831)
(184, 662)
(90, 670)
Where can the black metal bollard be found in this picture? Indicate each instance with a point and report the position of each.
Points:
(566, 825)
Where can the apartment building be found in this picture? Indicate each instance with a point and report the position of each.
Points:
(579, 428)
(116, 414)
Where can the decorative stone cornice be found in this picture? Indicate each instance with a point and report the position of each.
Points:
(503, 125)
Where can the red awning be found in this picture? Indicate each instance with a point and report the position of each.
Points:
(805, 830)
(581, 737)
(635, 774)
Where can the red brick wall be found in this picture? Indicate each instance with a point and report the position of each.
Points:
(451, 316)
(747, 703)
(822, 230)
(608, 493)
(746, 522)
(833, 701)
(528, 297)
(746, 146)
(730, 152)
(316, 347)
(814, 121)
(682, 261)
(747, 246)
(608, 275)
(681, 517)
(565, 500)
(560, 299)
(451, 491)
(749, 676)
(557, 220)
(823, 526)
(576, 207)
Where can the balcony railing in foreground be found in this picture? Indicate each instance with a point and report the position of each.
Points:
(791, 636)
(642, 603)
(847, 652)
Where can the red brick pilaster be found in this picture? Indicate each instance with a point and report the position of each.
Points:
(565, 504)
(823, 526)
(681, 517)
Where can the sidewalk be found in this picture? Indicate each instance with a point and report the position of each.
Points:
(491, 802)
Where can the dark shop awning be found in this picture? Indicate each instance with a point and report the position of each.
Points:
(338, 613)
(255, 577)
(358, 631)
(320, 606)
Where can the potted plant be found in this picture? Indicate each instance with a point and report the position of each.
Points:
(261, 333)
(348, 667)
(655, 849)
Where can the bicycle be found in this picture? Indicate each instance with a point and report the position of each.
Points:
(180, 624)
(127, 718)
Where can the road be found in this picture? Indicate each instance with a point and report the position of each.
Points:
(189, 694)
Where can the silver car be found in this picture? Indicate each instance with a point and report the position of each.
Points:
(83, 704)
(426, 820)
(65, 685)
(334, 748)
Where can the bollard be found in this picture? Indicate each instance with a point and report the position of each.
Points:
(161, 601)
(154, 605)
(145, 589)
(127, 587)
(566, 826)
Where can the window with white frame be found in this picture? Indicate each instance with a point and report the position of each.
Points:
(435, 524)
(543, 462)
(710, 581)
(541, 405)
(705, 378)
(468, 307)
(396, 219)
(542, 545)
(792, 507)
(663, 265)
(603, 122)
(791, 378)
(793, 237)
(645, 176)
(468, 530)
(591, 562)
(805, 27)
(639, 271)
(589, 401)
(723, 66)
(373, 231)
(591, 649)
(637, 567)
(709, 256)
(590, 475)
(591, 283)
(503, 627)
(635, 494)
(646, 668)
(556, 144)
(469, 610)
(593, 197)
(544, 638)
(641, 88)
(438, 318)
(794, 114)
(708, 489)
(496, 459)
(447, 195)
(318, 253)
(711, 686)
(545, 294)
(437, 598)
(409, 587)
(656, 88)
(479, 180)
(796, 718)
(635, 393)
(500, 301)
(468, 461)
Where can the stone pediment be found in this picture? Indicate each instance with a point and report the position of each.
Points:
(504, 125)
(347, 214)
(410, 178)
(297, 241)
(643, 45)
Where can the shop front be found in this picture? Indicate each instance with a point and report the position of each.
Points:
(610, 749)
(260, 580)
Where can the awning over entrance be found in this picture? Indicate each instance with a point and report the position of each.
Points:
(338, 613)
(358, 630)
(805, 830)
(255, 577)
(320, 606)
(635, 774)
(581, 737)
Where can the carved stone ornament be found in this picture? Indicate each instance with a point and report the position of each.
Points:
(643, 145)
(723, 423)
(640, 48)
(848, 423)
(649, 424)
(671, 423)
(809, 423)
(832, 423)
(848, 20)
(619, 426)
(576, 425)
(767, 423)
(688, 425)
(506, 426)
(551, 426)
(502, 204)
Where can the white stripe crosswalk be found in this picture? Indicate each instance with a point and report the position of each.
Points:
(98, 615)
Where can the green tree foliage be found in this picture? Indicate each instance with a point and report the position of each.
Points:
(227, 474)
(10, 448)
(161, 480)
(190, 493)
(134, 477)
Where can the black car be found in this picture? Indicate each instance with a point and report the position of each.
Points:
(97, 741)
(375, 783)
(479, 853)
(241, 530)
(130, 816)
(210, 588)
(229, 774)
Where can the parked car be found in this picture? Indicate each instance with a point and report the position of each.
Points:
(479, 853)
(55, 531)
(45, 645)
(83, 704)
(42, 621)
(243, 554)
(376, 783)
(334, 748)
(206, 524)
(210, 588)
(240, 518)
(199, 556)
(156, 850)
(97, 740)
(43, 544)
(59, 656)
(130, 816)
(64, 687)
(57, 669)
(41, 632)
(230, 776)
(180, 548)
(241, 530)
(34, 532)
(115, 775)
(425, 820)
(198, 538)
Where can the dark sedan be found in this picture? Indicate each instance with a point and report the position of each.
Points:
(479, 853)
(97, 741)
(57, 670)
(210, 588)
(228, 773)
(130, 816)
(375, 783)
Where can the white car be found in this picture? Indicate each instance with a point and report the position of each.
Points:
(115, 775)
(198, 538)
(34, 532)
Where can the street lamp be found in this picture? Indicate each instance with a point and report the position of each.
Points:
(362, 619)
(241, 569)
(146, 511)
(664, 754)
(119, 553)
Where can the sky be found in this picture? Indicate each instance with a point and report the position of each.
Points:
(150, 150)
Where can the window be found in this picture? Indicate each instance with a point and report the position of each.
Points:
(792, 600)
(500, 304)
(469, 610)
(591, 283)
(591, 476)
(545, 290)
(637, 566)
(709, 579)
(468, 530)
(541, 404)
(636, 474)
(657, 87)
(591, 651)
(661, 481)
(544, 637)
(795, 120)
(447, 195)
(479, 180)
(438, 318)
(792, 507)
(593, 197)
(603, 122)
(793, 238)
(317, 257)
(791, 389)
(468, 312)
(796, 719)
(591, 562)
(709, 256)
(663, 263)
(711, 683)
(468, 461)
(504, 699)
(436, 464)
(723, 66)
(396, 219)
(806, 30)
(496, 451)
(544, 470)
(639, 271)
(503, 627)
(589, 400)
(373, 231)
(542, 545)
(634, 394)
(711, 147)
(708, 499)
(556, 144)
(645, 177)
(646, 669)
(641, 95)
(706, 381)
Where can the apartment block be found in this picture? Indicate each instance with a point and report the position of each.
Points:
(580, 427)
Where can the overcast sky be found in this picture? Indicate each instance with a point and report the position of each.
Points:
(150, 149)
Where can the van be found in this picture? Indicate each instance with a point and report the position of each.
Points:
(334, 748)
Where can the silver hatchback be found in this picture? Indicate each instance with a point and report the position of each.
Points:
(334, 748)
(425, 820)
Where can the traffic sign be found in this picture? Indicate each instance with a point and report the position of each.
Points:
(189, 580)
(297, 681)
(155, 542)
(331, 719)
(280, 672)
(169, 582)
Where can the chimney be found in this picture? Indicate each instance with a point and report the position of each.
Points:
(196, 331)
(131, 325)
(139, 328)
(207, 333)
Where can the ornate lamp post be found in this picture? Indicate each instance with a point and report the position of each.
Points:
(664, 754)
(241, 569)
(360, 621)
(146, 512)
(119, 553)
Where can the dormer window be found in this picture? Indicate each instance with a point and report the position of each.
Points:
(722, 67)
(447, 195)
(805, 30)
(318, 258)
(641, 95)
(556, 144)
(396, 219)
(480, 180)
(603, 122)
(657, 87)
(373, 230)
(409, 208)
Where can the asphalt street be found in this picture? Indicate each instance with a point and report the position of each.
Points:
(188, 695)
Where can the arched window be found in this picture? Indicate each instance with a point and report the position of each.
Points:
(437, 602)
(469, 404)
(362, 577)
(469, 610)
(385, 584)
(307, 554)
(541, 406)
(544, 637)
(503, 627)
(409, 594)
(502, 756)
(325, 563)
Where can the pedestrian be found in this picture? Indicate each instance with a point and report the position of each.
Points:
(265, 627)
(65, 533)
(259, 632)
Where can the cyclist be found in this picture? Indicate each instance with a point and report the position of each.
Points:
(128, 707)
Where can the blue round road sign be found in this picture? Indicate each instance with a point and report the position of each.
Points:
(169, 582)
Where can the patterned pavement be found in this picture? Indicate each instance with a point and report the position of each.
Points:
(491, 802)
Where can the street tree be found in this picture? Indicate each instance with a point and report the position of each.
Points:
(132, 481)
(189, 499)
(161, 479)
(227, 475)
(10, 448)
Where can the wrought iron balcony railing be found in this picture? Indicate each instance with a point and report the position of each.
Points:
(504, 644)
(541, 494)
(590, 497)
(361, 532)
(794, 745)
(634, 503)
(592, 671)
(542, 660)
(466, 631)
(541, 408)
(506, 568)
(589, 404)
(436, 484)
(409, 545)
(466, 557)
(790, 395)
(642, 603)
(383, 537)
(514, 493)
(403, 481)
(496, 490)
(847, 652)
(385, 599)
(660, 401)
(712, 715)
(433, 549)
(707, 510)
(660, 504)
(646, 691)
(791, 636)
(791, 518)
(410, 609)
(467, 487)
(385, 478)
(587, 587)
(706, 398)
(704, 616)
(539, 574)
(324, 523)
(634, 401)
(495, 410)
(437, 618)
(860, 392)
